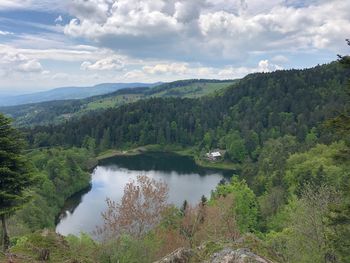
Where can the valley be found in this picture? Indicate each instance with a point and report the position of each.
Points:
(185, 131)
(279, 155)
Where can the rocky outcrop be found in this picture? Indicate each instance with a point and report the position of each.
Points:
(229, 255)
(181, 255)
(226, 255)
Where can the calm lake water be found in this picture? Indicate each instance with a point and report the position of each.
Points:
(186, 181)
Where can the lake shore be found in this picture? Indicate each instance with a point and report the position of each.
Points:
(190, 152)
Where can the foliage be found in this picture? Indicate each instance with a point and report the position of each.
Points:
(30, 247)
(220, 220)
(272, 162)
(127, 250)
(240, 119)
(245, 206)
(59, 111)
(235, 146)
(16, 178)
(62, 173)
(139, 210)
(316, 166)
(305, 238)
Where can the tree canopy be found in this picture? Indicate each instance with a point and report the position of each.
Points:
(15, 176)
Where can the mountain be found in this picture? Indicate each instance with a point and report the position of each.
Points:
(50, 112)
(69, 93)
(256, 108)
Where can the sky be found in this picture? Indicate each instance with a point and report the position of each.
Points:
(52, 43)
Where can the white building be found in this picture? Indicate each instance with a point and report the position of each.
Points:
(213, 155)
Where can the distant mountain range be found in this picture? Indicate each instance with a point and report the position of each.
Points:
(49, 112)
(65, 93)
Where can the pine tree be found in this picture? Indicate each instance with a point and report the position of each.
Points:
(339, 217)
(15, 176)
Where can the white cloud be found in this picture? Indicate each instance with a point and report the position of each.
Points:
(42, 5)
(164, 40)
(266, 66)
(111, 63)
(173, 68)
(13, 4)
(60, 52)
(30, 66)
(209, 30)
(12, 61)
(280, 59)
(5, 33)
(239, 72)
(59, 19)
(60, 76)
(174, 71)
(135, 75)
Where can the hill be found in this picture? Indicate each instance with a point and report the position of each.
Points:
(69, 93)
(57, 111)
(258, 107)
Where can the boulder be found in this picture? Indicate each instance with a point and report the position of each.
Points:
(180, 255)
(243, 255)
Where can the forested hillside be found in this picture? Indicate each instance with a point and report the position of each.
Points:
(53, 112)
(259, 107)
(65, 93)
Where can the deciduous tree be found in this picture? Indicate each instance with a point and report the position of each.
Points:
(139, 210)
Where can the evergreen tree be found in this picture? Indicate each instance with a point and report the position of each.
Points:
(184, 207)
(15, 177)
(339, 218)
(106, 140)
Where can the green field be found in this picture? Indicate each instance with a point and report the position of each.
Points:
(194, 90)
(111, 102)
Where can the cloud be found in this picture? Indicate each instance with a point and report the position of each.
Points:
(59, 19)
(239, 72)
(280, 59)
(30, 66)
(60, 76)
(266, 66)
(5, 33)
(12, 4)
(164, 40)
(174, 71)
(209, 31)
(111, 63)
(42, 5)
(57, 51)
(173, 68)
(12, 61)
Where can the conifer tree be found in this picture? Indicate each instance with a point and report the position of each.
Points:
(339, 218)
(15, 176)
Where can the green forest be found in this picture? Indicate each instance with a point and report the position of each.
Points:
(287, 132)
(51, 112)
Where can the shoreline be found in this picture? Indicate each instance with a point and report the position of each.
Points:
(174, 149)
(189, 152)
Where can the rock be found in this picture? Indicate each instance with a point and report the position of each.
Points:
(229, 255)
(181, 255)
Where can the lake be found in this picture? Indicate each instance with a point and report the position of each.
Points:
(186, 181)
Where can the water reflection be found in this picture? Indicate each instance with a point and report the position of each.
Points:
(184, 178)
